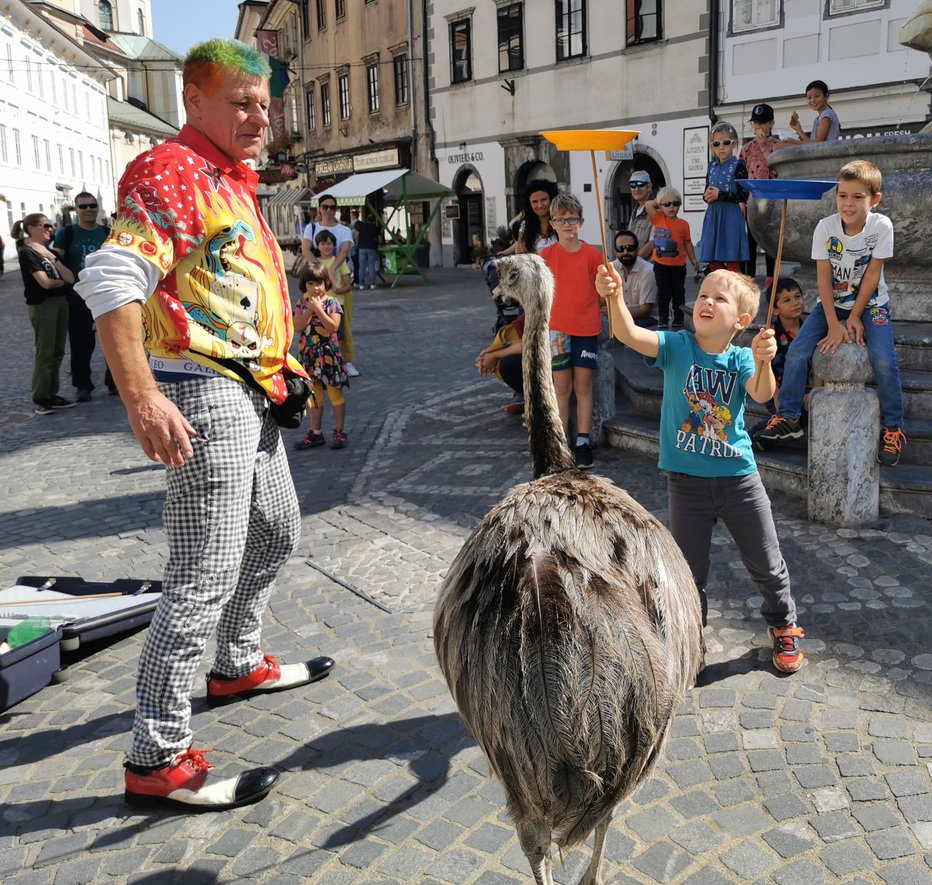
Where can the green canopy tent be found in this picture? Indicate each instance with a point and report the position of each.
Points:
(401, 188)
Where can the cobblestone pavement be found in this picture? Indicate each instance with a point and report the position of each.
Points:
(819, 777)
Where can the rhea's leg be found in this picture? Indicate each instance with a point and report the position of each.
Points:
(534, 837)
(593, 875)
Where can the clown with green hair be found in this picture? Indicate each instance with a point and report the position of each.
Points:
(205, 399)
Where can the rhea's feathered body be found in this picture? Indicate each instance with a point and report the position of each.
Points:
(568, 627)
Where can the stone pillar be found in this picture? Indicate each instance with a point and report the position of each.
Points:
(844, 426)
(603, 395)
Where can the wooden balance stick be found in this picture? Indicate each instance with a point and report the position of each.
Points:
(64, 600)
(773, 290)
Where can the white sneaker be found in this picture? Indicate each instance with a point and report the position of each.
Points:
(352, 371)
(372, 287)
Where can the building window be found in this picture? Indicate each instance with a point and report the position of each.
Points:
(400, 65)
(837, 6)
(749, 15)
(140, 21)
(339, 9)
(4, 156)
(642, 23)
(48, 155)
(17, 148)
(571, 29)
(71, 157)
(105, 14)
(372, 85)
(9, 62)
(61, 160)
(311, 106)
(28, 75)
(321, 14)
(511, 38)
(35, 150)
(461, 50)
(325, 103)
(343, 82)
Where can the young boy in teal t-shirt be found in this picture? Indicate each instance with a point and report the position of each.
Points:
(704, 445)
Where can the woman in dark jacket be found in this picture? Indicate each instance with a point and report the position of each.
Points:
(46, 281)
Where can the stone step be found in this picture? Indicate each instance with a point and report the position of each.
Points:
(906, 488)
(643, 388)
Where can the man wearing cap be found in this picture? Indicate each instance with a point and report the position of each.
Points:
(639, 222)
(755, 154)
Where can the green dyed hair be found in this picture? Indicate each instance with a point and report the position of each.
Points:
(204, 60)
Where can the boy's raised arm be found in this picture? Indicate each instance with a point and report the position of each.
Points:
(609, 286)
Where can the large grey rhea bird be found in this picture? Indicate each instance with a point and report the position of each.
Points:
(568, 627)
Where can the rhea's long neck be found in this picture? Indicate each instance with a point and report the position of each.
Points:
(549, 450)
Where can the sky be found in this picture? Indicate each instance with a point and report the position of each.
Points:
(179, 24)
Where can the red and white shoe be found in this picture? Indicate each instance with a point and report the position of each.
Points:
(268, 676)
(185, 781)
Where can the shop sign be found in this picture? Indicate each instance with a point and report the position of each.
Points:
(384, 159)
(336, 166)
(465, 157)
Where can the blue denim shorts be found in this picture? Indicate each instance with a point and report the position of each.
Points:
(567, 351)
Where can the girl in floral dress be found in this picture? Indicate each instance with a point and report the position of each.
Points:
(318, 315)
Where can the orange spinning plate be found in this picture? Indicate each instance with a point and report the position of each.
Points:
(590, 139)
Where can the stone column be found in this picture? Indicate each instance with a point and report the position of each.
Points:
(603, 396)
(844, 426)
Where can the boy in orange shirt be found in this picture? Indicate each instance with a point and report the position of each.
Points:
(672, 244)
(575, 319)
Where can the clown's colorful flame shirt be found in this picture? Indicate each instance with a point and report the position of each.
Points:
(223, 293)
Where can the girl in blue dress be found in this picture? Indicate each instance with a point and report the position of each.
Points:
(724, 242)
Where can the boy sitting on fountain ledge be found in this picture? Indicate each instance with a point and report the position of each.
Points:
(704, 446)
(849, 249)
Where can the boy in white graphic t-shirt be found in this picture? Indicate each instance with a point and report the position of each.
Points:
(849, 249)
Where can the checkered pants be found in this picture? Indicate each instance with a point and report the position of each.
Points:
(232, 519)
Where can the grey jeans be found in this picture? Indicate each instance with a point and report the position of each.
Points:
(741, 502)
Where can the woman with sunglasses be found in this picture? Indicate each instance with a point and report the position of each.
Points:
(46, 281)
(724, 242)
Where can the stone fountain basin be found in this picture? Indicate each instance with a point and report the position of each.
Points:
(906, 164)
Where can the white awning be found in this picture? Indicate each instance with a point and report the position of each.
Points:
(290, 196)
(353, 191)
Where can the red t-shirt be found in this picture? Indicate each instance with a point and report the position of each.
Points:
(670, 238)
(576, 307)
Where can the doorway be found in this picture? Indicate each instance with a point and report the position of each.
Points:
(471, 221)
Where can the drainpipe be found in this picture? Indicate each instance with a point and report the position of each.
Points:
(436, 245)
(713, 58)
(411, 103)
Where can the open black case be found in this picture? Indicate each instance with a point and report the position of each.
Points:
(79, 611)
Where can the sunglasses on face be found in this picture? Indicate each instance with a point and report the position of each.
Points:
(569, 219)
(725, 142)
(49, 226)
(88, 206)
(626, 248)
(669, 203)
(634, 184)
(328, 205)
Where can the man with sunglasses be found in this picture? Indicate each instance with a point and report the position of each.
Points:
(74, 242)
(640, 286)
(639, 223)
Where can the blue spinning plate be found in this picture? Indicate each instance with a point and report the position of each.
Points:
(786, 188)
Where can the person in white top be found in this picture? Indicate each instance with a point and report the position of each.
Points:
(639, 283)
(326, 220)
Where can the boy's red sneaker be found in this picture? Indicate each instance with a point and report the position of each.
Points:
(268, 676)
(185, 781)
(787, 655)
